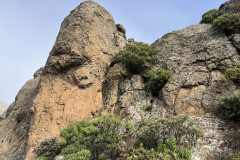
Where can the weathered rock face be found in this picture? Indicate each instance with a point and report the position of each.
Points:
(15, 128)
(69, 87)
(236, 41)
(232, 6)
(198, 56)
(220, 139)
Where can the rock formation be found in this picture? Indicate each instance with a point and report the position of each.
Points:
(198, 55)
(79, 82)
(69, 87)
(232, 6)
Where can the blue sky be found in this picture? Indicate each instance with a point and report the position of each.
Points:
(29, 29)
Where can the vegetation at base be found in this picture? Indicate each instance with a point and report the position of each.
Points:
(233, 74)
(160, 139)
(143, 154)
(137, 57)
(209, 16)
(165, 151)
(228, 23)
(164, 139)
(100, 136)
(161, 130)
(80, 155)
(156, 79)
(228, 106)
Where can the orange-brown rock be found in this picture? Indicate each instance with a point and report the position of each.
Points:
(69, 87)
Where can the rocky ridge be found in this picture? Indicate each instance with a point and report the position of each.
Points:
(79, 82)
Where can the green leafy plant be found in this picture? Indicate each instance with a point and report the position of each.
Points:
(81, 155)
(228, 107)
(161, 130)
(137, 57)
(236, 156)
(209, 16)
(233, 74)
(156, 79)
(144, 154)
(228, 23)
(165, 151)
(174, 151)
(100, 136)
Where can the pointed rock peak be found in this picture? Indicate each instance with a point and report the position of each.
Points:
(88, 32)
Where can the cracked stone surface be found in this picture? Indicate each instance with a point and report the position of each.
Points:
(231, 6)
(198, 56)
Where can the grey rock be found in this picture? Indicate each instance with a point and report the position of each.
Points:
(14, 128)
(198, 55)
(236, 41)
(232, 6)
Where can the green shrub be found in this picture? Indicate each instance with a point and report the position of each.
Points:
(137, 57)
(174, 151)
(156, 79)
(166, 151)
(100, 136)
(48, 149)
(144, 154)
(161, 130)
(236, 156)
(228, 23)
(72, 149)
(233, 74)
(209, 16)
(228, 106)
(42, 157)
(80, 155)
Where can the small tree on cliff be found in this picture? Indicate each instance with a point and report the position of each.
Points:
(137, 57)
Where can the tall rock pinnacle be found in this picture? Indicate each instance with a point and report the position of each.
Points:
(69, 87)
